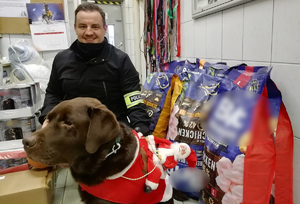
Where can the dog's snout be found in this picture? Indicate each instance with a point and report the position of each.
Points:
(29, 141)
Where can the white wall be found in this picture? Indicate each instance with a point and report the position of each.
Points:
(133, 13)
(261, 32)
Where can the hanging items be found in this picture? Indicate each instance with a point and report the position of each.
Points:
(161, 32)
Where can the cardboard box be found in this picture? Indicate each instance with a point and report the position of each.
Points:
(28, 187)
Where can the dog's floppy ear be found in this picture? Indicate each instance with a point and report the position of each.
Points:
(103, 127)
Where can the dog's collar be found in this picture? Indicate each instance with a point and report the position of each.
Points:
(118, 175)
(116, 146)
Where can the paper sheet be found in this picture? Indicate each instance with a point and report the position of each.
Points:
(47, 26)
(13, 8)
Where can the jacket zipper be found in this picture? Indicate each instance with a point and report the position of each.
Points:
(104, 86)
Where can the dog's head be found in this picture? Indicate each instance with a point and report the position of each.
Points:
(76, 127)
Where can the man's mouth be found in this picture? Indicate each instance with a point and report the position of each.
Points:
(90, 40)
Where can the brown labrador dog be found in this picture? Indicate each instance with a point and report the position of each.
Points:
(83, 134)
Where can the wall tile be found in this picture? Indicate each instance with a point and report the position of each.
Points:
(232, 39)
(258, 30)
(296, 170)
(61, 177)
(214, 36)
(125, 13)
(70, 179)
(133, 42)
(126, 31)
(287, 80)
(131, 31)
(127, 46)
(130, 3)
(132, 58)
(191, 59)
(255, 63)
(185, 11)
(71, 195)
(200, 37)
(286, 32)
(125, 3)
(130, 15)
(187, 39)
(213, 60)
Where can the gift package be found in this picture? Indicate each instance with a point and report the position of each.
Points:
(235, 120)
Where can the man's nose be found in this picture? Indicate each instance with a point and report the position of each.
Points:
(89, 31)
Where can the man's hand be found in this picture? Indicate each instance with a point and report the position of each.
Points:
(45, 123)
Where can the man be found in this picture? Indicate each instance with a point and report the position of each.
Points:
(93, 68)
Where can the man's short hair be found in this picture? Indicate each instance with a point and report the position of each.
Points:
(90, 7)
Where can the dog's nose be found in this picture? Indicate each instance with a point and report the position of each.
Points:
(29, 141)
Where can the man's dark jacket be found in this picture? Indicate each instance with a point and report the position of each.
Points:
(107, 77)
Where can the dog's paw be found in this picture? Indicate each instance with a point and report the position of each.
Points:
(147, 189)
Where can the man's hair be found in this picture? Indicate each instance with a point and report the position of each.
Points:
(90, 7)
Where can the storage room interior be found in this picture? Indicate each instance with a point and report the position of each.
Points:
(256, 33)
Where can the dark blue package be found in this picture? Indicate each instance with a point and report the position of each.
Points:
(189, 130)
(246, 78)
(219, 70)
(174, 67)
(229, 119)
(228, 124)
(179, 67)
(154, 93)
(188, 118)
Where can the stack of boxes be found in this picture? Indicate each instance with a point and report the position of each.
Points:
(19, 104)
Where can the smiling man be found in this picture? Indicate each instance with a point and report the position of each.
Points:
(91, 67)
(90, 25)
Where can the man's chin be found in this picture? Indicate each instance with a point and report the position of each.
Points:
(90, 41)
(64, 166)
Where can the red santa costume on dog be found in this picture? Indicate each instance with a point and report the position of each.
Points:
(128, 185)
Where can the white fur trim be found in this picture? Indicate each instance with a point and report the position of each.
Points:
(168, 190)
(151, 143)
(151, 184)
(140, 134)
(118, 175)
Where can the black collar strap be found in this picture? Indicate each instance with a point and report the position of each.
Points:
(116, 146)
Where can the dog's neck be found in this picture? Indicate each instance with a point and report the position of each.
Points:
(115, 176)
(91, 169)
(115, 147)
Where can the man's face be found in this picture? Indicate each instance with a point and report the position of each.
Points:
(89, 27)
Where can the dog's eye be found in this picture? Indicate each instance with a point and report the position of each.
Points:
(67, 122)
